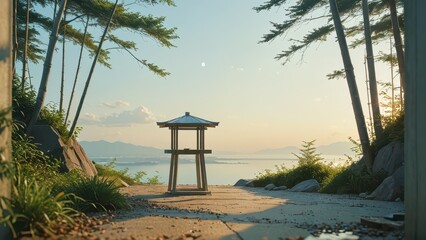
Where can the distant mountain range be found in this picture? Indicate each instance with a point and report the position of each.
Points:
(337, 148)
(118, 149)
(121, 149)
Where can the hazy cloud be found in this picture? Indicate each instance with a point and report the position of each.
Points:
(117, 104)
(139, 115)
(89, 119)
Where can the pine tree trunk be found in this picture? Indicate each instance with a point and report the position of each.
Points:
(41, 95)
(398, 43)
(78, 70)
(25, 58)
(95, 60)
(375, 105)
(353, 89)
(6, 61)
(61, 98)
(14, 36)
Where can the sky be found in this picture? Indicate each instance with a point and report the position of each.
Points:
(219, 72)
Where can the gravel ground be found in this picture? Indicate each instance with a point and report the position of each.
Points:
(237, 213)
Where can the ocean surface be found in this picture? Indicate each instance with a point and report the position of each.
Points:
(221, 170)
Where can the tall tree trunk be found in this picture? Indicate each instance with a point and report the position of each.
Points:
(353, 89)
(398, 43)
(61, 98)
(41, 95)
(25, 58)
(78, 69)
(415, 120)
(55, 6)
(6, 61)
(375, 105)
(14, 36)
(95, 60)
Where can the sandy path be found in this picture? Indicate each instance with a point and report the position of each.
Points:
(235, 213)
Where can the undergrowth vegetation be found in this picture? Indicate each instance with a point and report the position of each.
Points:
(109, 171)
(351, 177)
(43, 196)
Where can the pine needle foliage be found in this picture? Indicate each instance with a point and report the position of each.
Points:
(300, 13)
(308, 154)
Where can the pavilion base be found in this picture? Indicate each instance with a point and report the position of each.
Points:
(189, 191)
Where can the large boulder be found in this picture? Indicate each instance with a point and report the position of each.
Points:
(71, 153)
(391, 188)
(310, 185)
(389, 158)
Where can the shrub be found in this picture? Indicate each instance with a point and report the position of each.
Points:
(393, 131)
(308, 167)
(353, 179)
(317, 171)
(94, 194)
(109, 171)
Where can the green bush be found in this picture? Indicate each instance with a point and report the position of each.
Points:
(353, 179)
(393, 131)
(317, 171)
(94, 194)
(309, 167)
(290, 177)
(109, 171)
(23, 106)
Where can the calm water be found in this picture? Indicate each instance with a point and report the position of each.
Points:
(221, 170)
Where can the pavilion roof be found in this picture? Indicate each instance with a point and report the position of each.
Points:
(187, 121)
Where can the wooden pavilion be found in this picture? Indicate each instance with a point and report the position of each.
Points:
(188, 122)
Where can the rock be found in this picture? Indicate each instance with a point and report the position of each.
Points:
(391, 188)
(250, 184)
(389, 158)
(311, 185)
(280, 188)
(270, 186)
(71, 154)
(363, 195)
(242, 182)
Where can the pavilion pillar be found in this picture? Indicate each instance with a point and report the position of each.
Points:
(197, 161)
(191, 123)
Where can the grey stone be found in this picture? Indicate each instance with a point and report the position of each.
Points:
(389, 158)
(391, 188)
(250, 184)
(280, 188)
(310, 185)
(71, 153)
(270, 186)
(242, 182)
(363, 195)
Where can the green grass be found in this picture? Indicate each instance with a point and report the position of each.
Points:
(32, 207)
(94, 194)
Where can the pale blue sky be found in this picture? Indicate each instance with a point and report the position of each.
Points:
(221, 73)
